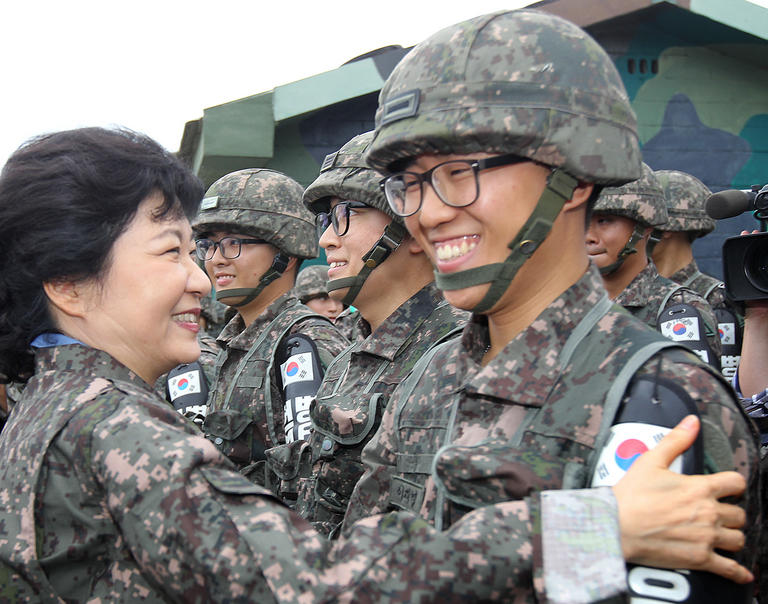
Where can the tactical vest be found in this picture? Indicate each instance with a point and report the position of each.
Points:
(240, 407)
(543, 454)
(340, 446)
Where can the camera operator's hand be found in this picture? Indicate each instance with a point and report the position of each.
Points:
(753, 369)
(671, 520)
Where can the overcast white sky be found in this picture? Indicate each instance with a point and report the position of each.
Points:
(153, 65)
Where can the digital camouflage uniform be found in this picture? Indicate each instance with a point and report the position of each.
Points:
(531, 84)
(347, 322)
(649, 294)
(355, 391)
(685, 197)
(246, 405)
(468, 435)
(109, 496)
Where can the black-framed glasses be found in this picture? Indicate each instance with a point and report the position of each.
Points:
(455, 182)
(338, 216)
(228, 246)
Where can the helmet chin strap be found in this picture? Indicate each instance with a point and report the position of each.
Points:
(559, 189)
(277, 268)
(653, 239)
(628, 249)
(389, 241)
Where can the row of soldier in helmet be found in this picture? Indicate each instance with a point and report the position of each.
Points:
(311, 453)
(490, 367)
(639, 236)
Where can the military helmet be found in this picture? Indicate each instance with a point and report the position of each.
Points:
(520, 81)
(344, 174)
(312, 281)
(641, 200)
(685, 196)
(263, 203)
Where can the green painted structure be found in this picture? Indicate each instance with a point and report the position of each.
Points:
(696, 72)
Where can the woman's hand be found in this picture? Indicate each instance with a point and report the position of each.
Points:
(671, 520)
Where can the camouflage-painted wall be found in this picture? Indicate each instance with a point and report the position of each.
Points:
(700, 90)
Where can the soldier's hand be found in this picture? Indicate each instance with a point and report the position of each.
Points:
(670, 520)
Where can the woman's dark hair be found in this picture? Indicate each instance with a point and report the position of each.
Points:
(64, 200)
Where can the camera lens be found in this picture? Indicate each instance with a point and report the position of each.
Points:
(756, 263)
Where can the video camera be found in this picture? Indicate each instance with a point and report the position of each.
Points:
(745, 258)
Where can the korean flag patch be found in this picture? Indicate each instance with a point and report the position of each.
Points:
(727, 333)
(297, 368)
(683, 329)
(185, 383)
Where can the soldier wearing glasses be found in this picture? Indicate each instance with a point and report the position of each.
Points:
(252, 231)
(376, 266)
(495, 136)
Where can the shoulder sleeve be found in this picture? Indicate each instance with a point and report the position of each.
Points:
(326, 336)
(194, 526)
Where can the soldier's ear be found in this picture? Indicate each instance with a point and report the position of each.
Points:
(580, 195)
(68, 297)
(413, 245)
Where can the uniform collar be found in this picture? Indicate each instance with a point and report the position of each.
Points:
(402, 324)
(528, 367)
(80, 358)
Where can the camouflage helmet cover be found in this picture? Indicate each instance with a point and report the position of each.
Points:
(344, 174)
(641, 200)
(311, 281)
(263, 203)
(685, 196)
(520, 81)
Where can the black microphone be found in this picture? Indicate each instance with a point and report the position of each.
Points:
(733, 202)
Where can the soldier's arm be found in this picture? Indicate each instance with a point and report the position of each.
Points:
(199, 530)
(753, 370)
(371, 493)
(672, 520)
(326, 336)
(728, 447)
(688, 296)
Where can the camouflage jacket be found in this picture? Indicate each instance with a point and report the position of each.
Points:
(646, 298)
(110, 495)
(354, 392)
(347, 322)
(468, 434)
(209, 351)
(730, 331)
(246, 403)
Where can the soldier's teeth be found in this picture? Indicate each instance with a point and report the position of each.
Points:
(451, 252)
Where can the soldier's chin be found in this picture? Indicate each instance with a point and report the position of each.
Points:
(466, 298)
